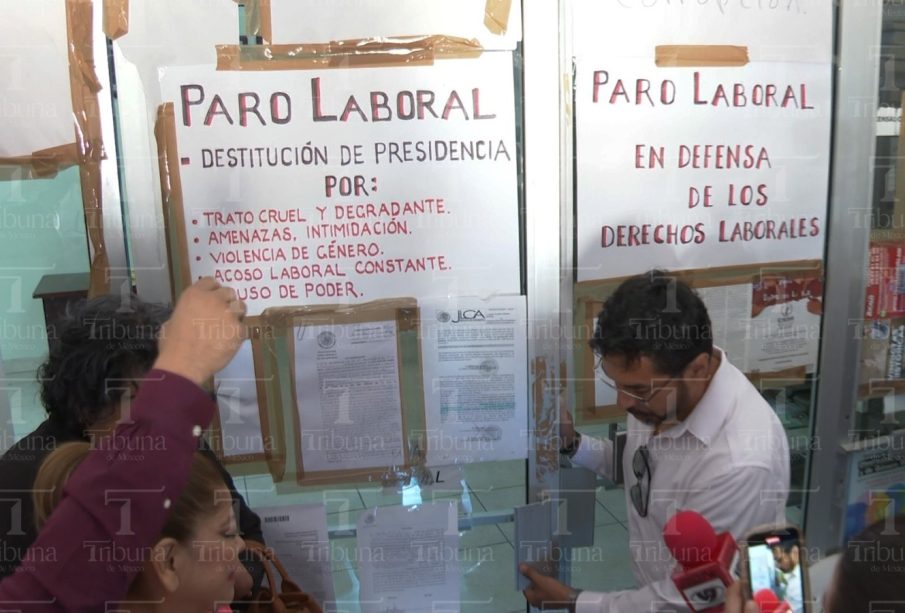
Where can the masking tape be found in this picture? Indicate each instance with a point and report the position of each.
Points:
(353, 53)
(84, 86)
(266, 30)
(171, 198)
(687, 56)
(116, 18)
(496, 16)
(43, 164)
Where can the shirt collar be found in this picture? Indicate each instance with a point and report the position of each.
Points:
(706, 420)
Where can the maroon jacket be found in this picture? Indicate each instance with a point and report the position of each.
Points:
(115, 505)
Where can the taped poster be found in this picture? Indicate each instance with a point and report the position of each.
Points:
(349, 411)
(704, 141)
(392, 181)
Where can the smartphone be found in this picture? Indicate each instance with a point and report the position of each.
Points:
(774, 560)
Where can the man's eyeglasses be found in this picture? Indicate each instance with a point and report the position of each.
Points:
(643, 398)
(640, 492)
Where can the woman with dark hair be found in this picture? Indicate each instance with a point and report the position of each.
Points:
(116, 499)
(99, 355)
(101, 348)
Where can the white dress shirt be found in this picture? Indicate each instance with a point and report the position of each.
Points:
(793, 594)
(729, 461)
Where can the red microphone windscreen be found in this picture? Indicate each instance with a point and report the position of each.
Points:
(690, 539)
(768, 602)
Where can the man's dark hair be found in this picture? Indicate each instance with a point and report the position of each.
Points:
(785, 546)
(654, 315)
(870, 570)
(101, 345)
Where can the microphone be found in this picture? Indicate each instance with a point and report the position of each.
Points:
(768, 602)
(709, 561)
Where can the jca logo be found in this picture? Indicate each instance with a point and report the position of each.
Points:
(468, 315)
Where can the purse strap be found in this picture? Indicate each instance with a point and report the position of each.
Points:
(289, 592)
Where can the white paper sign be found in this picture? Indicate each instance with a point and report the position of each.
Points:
(371, 19)
(298, 535)
(700, 166)
(475, 379)
(350, 185)
(729, 308)
(407, 559)
(774, 338)
(347, 387)
(784, 336)
(237, 401)
(35, 113)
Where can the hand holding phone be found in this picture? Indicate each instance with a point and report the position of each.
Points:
(775, 567)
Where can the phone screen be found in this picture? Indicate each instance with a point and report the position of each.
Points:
(776, 563)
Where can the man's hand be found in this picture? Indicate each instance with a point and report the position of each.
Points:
(545, 592)
(204, 332)
(735, 602)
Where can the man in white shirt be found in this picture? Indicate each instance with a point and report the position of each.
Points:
(785, 555)
(699, 437)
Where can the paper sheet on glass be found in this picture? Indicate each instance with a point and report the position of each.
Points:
(778, 337)
(347, 387)
(475, 379)
(729, 308)
(782, 336)
(298, 535)
(237, 401)
(407, 559)
(37, 112)
(533, 541)
(369, 19)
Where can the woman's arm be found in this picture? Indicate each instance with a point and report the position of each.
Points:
(116, 502)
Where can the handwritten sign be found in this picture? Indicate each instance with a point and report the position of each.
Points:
(350, 185)
(702, 133)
